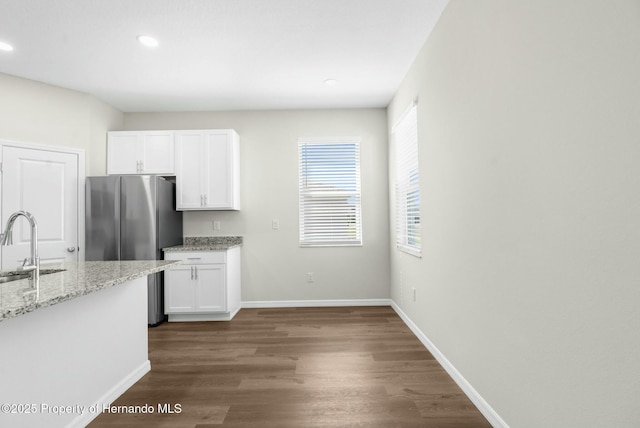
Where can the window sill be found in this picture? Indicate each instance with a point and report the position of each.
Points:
(332, 244)
(416, 252)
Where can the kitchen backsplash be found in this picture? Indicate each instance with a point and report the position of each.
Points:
(212, 240)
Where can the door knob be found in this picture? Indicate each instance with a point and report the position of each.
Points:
(71, 249)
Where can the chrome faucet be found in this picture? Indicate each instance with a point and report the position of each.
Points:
(30, 265)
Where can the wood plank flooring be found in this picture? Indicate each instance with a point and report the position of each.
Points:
(295, 368)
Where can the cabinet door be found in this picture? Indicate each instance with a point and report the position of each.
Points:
(179, 290)
(219, 179)
(207, 173)
(189, 169)
(210, 288)
(124, 153)
(140, 152)
(158, 153)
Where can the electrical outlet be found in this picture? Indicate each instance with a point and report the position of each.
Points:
(310, 277)
(216, 225)
(275, 224)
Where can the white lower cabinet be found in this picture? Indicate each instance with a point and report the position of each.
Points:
(205, 287)
(211, 288)
(179, 290)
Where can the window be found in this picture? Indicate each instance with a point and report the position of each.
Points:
(330, 192)
(405, 135)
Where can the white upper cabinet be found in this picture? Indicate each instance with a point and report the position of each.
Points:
(207, 170)
(140, 152)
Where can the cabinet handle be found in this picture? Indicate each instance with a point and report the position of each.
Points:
(194, 258)
(191, 273)
(196, 269)
(141, 166)
(205, 200)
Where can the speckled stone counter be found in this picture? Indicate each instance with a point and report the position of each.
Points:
(207, 243)
(78, 279)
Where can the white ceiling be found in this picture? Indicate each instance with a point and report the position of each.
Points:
(219, 54)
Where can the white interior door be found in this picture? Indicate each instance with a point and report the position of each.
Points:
(44, 183)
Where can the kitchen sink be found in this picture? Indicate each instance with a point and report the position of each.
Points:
(16, 275)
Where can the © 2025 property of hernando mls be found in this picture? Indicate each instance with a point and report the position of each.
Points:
(451, 185)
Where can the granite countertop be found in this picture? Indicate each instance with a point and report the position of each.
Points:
(77, 279)
(206, 243)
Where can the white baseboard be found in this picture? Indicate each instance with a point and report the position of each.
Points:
(487, 411)
(314, 303)
(111, 395)
(225, 316)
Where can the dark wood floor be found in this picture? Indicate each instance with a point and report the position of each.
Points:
(295, 368)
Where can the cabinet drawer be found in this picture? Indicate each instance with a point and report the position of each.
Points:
(197, 257)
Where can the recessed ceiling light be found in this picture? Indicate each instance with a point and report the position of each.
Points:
(148, 41)
(5, 47)
(330, 82)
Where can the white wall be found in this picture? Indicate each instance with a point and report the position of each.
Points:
(529, 141)
(34, 112)
(274, 266)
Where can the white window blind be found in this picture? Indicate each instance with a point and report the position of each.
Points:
(405, 134)
(330, 193)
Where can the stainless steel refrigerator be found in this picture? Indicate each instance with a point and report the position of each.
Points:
(132, 217)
